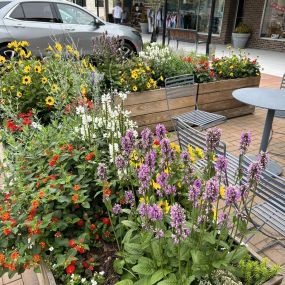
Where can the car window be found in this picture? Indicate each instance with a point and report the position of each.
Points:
(2, 4)
(74, 15)
(18, 13)
(38, 11)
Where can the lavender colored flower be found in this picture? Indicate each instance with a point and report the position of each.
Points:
(160, 131)
(144, 175)
(129, 198)
(211, 190)
(142, 209)
(102, 171)
(127, 142)
(178, 223)
(117, 209)
(120, 162)
(165, 147)
(185, 157)
(154, 212)
(198, 183)
(244, 190)
(263, 159)
(245, 141)
(150, 159)
(193, 194)
(232, 195)
(213, 137)
(222, 219)
(159, 234)
(221, 164)
(254, 172)
(170, 190)
(146, 138)
(162, 179)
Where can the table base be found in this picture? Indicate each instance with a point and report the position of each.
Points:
(272, 165)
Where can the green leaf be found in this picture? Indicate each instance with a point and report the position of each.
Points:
(158, 275)
(133, 248)
(86, 205)
(129, 224)
(125, 282)
(169, 281)
(118, 265)
(145, 266)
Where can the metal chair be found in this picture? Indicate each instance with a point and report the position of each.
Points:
(281, 114)
(183, 86)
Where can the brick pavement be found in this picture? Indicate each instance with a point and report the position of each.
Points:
(231, 133)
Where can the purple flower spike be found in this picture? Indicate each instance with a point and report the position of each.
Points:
(221, 164)
(144, 175)
(245, 141)
(102, 171)
(165, 147)
(162, 180)
(127, 142)
(232, 195)
(213, 138)
(120, 162)
(146, 138)
(212, 190)
(263, 159)
(117, 209)
(129, 198)
(160, 131)
(150, 159)
(193, 194)
(222, 219)
(154, 212)
(254, 172)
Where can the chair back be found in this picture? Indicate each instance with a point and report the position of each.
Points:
(282, 86)
(180, 86)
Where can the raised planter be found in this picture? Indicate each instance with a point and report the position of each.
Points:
(150, 107)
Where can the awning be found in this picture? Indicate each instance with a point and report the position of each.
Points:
(278, 5)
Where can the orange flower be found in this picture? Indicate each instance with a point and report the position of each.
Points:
(107, 192)
(76, 187)
(74, 198)
(35, 204)
(2, 258)
(41, 194)
(42, 244)
(15, 255)
(89, 156)
(5, 216)
(36, 258)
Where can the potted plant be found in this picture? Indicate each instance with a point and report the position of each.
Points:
(144, 23)
(241, 35)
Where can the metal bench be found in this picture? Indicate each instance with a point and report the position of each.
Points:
(184, 35)
(271, 189)
(184, 86)
(281, 114)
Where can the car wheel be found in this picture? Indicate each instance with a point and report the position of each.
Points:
(8, 53)
(127, 50)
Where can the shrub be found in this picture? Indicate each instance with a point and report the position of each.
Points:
(45, 85)
(242, 28)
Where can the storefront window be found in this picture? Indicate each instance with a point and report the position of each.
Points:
(273, 25)
(194, 15)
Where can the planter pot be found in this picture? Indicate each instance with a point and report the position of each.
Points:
(144, 28)
(149, 108)
(240, 40)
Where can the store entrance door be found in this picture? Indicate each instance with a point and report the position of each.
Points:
(127, 8)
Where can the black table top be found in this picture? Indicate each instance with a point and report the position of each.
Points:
(266, 98)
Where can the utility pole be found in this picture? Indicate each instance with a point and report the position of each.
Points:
(211, 20)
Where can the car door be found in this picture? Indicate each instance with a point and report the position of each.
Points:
(35, 22)
(79, 26)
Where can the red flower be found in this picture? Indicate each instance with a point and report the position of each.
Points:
(69, 148)
(57, 234)
(26, 122)
(93, 227)
(35, 204)
(12, 126)
(52, 163)
(52, 177)
(14, 255)
(2, 258)
(5, 216)
(156, 142)
(55, 157)
(13, 222)
(36, 258)
(85, 264)
(76, 187)
(80, 223)
(42, 244)
(74, 198)
(97, 237)
(106, 221)
(71, 243)
(70, 269)
(107, 192)
(89, 156)
(41, 194)
(107, 234)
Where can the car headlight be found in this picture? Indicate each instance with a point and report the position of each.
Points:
(137, 33)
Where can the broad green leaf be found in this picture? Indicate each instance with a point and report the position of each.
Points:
(133, 248)
(130, 224)
(169, 281)
(118, 265)
(158, 275)
(125, 282)
(145, 266)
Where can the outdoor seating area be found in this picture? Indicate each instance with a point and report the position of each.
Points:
(149, 170)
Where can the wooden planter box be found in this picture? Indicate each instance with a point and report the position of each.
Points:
(217, 97)
(150, 107)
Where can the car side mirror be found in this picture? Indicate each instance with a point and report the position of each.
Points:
(97, 23)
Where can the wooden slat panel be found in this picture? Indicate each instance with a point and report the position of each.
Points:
(223, 105)
(215, 97)
(145, 97)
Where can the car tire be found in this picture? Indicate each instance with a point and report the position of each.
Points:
(127, 50)
(8, 53)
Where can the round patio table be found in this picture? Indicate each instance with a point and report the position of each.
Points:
(266, 98)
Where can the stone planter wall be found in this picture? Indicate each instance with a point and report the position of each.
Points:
(150, 107)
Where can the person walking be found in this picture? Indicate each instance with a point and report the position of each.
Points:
(117, 13)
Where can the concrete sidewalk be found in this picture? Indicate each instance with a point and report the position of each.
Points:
(272, 62)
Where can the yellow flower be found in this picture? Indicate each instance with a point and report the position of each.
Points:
(144, 200)
(76, 53)
(164, 206)
(38, 69)
(148, 85)
(155, 185)
(199, 152)
(69, 48)
(50, 101)
(49, 48)
(4, 89)
(161, 78)
(19, 94)
(179, 184)
(151, 81)
(154, 84)
(175, 147)
(54, 88)
(231, 67)
(222, 191)
(135, 88)
(27, 69)
(12, 87)
(57, 56)
(147, 68)
(122, 80)
(139, 65)
(44, 80)
(26, 80)
(58, 46)
(231, 74)
(24, 44)
(214, 213)
(2, 59)
(24, 54)
(84, 90)
(13, 44)
(92, 67)
(191, 153)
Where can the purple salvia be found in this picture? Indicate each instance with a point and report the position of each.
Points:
(213, 137)
(263, 159)
(160, 131)
(142, 209)
(146, 138)
(162, 179)
(144, 175)
(222, 219)
(129, 198)
(254, 172)
(159, 234)
(170, 190)
(120, 162)
(198, 183)
(193, 194)
(165, 147)
(150, 159)
(154, 212)
(127, 142)
(221, 164)
(102, 171)
(117, 209)
(211, 190)
(232, 195)
(245, 141)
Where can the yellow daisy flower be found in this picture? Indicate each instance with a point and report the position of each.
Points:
(175, 147)
(69, 48)
(54, 88)
(19, 94)
(76, 53)
(161, 78)
(49, 48)
(151, 81)
(148, 85)
(38, 69)
(44, 80)
(155, 185)
(27, 69)
(58, 46)
(92, 67)
(135, 88)
(164, 206)
(26, 80)
(2, 59)
(147, 68)
(199, 152)
(50, 101)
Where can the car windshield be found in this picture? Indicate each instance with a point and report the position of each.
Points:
(2, 4)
